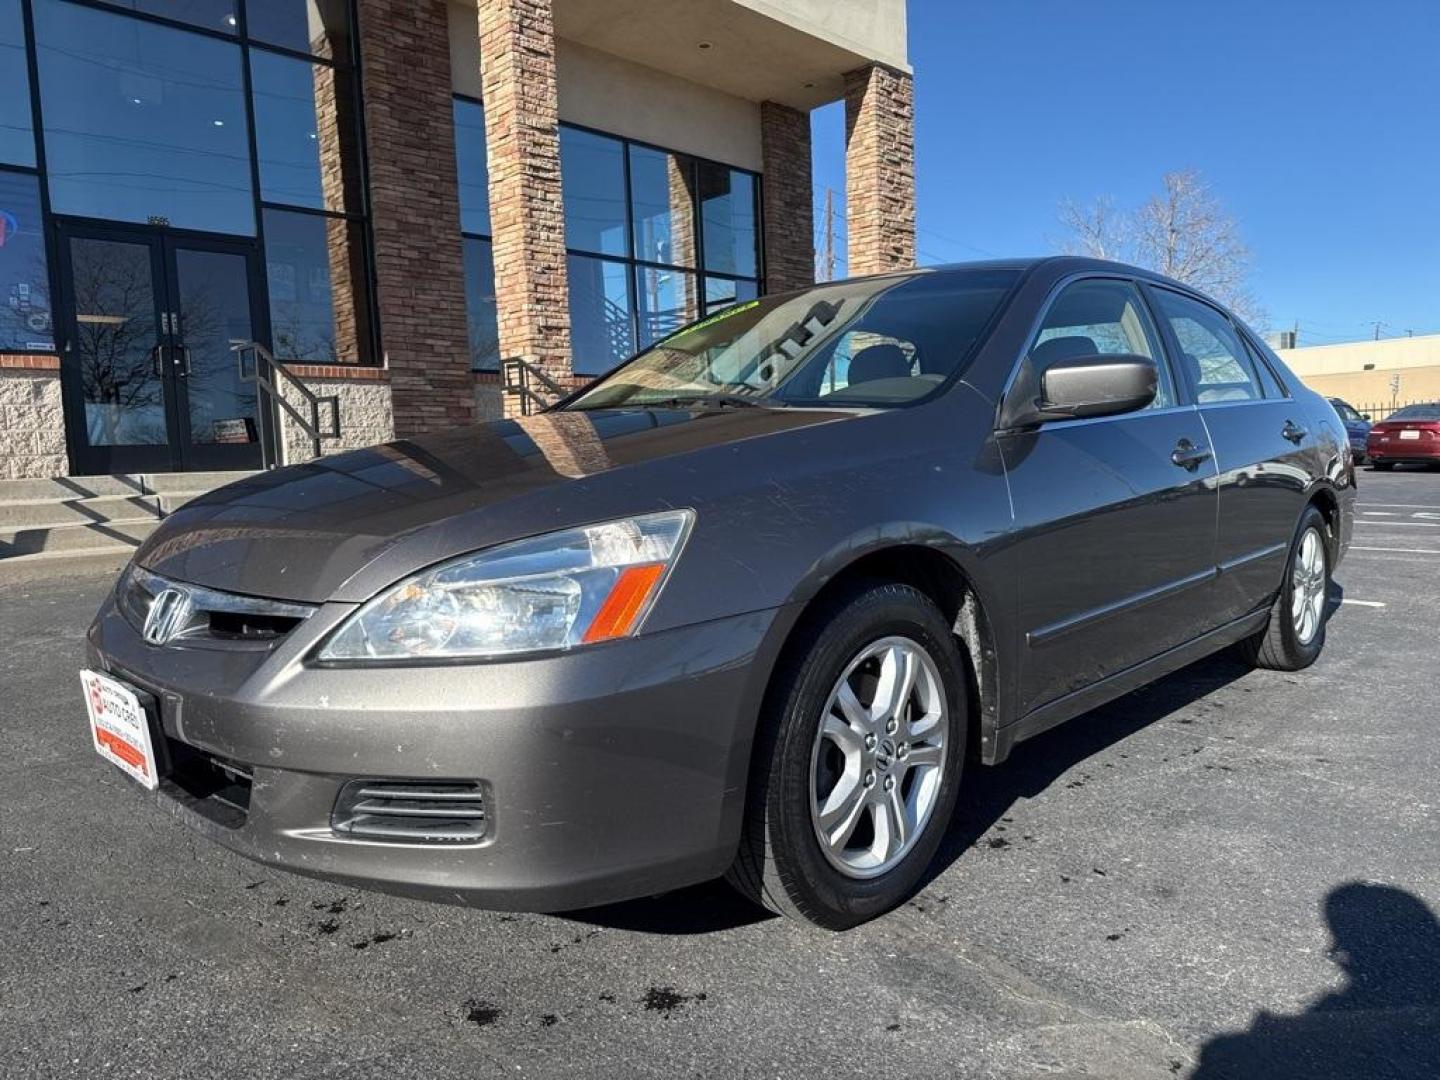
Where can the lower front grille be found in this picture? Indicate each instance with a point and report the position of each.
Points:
(212, 786)
(411, 811)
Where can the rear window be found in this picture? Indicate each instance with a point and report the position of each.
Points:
(871, 342)
(1416, 412)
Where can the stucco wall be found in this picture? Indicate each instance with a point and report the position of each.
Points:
(32, 420)
(602, 91)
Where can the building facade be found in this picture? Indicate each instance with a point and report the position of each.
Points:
(1374, 376)
(394, 195)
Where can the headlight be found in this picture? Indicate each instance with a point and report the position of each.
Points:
(550, 592)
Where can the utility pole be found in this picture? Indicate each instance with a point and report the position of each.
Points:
(1377, 330)
(827, 257)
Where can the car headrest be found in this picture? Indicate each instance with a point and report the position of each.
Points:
(1062, 348)
(885, 361)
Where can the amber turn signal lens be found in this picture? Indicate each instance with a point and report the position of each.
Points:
(623, 607)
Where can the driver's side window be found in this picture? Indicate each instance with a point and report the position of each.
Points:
(1101, 316)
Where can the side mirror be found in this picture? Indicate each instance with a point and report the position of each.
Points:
(1100, 385)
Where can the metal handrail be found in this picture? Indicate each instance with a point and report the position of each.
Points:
(261, 370)
(518, 375)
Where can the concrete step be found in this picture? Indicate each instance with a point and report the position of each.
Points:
(65, 488)
(71, 538)
(71, 525)
(60, 488)
(48, 565)
(49, 514)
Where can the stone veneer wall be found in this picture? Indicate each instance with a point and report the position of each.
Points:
(32, 419)
(366, 417)
(415, 211)
(787, 190)
(527, 217)
(880, 169)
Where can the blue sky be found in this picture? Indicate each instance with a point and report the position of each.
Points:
(1317, 124)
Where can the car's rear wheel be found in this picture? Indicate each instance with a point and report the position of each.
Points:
(858, 759)
(1295, 633)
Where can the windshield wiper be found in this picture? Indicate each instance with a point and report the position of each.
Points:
(724, 401)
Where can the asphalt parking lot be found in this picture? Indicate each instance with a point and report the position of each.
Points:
(1228, 874)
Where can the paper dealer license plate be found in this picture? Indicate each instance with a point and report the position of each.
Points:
(120, 727)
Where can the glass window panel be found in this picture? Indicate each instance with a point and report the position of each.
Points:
(115, 339)
(305, 133)
(214, 310)
(222, 15)
(600, 324)
(317, 27)
(721, 292)
(727, 208)
(1211, 356)
(662, 194)
(17, 136)
(593, 179)
(1101, 317)
(480, 305)
(24, 277)
(142, 121)
(315, 269)
(668, 299)
(471, 164)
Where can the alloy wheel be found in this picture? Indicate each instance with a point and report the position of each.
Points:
(879, 757)
(1307, 587)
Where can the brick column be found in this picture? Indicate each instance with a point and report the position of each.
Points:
(415, 207)
(527, 217)
(880, 169)
(787, 191)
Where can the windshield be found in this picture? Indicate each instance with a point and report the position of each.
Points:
(1416, 412)
(878, 342)
(1346, 412)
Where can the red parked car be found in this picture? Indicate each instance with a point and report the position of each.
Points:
(1408, 434)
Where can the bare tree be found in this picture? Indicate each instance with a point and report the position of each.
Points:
(1184, 232)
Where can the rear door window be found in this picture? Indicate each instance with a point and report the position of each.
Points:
(1214, 361)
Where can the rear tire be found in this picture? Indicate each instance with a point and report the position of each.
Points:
(900, 782)
(1295, 633)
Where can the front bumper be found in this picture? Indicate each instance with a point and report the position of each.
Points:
(610, 772)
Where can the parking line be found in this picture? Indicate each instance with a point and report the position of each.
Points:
(1363, 603)
(1408, 551)
(1380, 513)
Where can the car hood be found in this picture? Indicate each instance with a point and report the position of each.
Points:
(309, 532)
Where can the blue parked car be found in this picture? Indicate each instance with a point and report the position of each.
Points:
(1357, 426)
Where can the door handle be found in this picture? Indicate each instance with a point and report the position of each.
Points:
(157, 360)
(1292, 432)
(183, 360)
(1189, 456)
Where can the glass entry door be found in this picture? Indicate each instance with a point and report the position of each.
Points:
(151, 384)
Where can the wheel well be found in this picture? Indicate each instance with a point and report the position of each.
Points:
(941, 579)
(1324, 500)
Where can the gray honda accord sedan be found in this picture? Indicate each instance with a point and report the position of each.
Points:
(754, 604)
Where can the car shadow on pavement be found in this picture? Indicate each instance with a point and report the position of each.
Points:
(698, 909)
(988, 794)
(1382, 1024)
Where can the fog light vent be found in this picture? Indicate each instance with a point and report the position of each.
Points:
(411, 811)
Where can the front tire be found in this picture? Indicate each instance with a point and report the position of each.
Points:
(857, 760)
(1295, 633)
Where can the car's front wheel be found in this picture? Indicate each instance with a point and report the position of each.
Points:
(858, 759)
(1295, 634)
